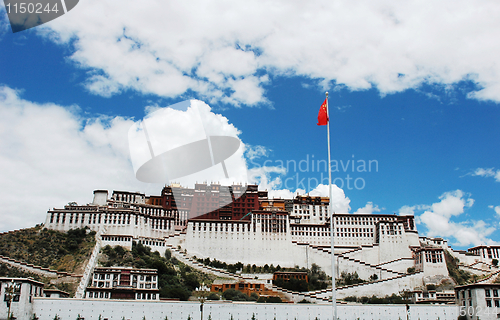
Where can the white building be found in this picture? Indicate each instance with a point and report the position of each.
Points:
(479, 301)
(123, 283)
(19, 294)
(257, 230)
(486, 253)
(126, 213)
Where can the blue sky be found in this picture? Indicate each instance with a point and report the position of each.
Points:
(413, 91)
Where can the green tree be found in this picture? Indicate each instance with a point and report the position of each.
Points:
(273, 299)
(347, 278)
(213, 296)
(235, 295)
(191, 281)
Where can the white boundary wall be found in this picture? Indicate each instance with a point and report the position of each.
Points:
(68, 309)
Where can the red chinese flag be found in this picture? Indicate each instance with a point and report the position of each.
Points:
(322, 116)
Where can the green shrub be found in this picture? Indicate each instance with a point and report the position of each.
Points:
(273, 299)
(213, 296)
(235, 295)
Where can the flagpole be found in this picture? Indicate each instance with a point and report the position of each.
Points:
(330, 210)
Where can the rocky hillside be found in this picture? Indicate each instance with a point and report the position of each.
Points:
(59, 251)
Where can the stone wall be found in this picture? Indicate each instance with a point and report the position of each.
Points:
(69, 309)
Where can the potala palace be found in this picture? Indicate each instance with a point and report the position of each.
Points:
(241, 224)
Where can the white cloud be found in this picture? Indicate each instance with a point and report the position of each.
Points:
(174, 133)
(437, 218)
(255, 152)
(487, 173)
(410, 210)
(221, 49)
(339, 201)
(103, 86)
(368, 208)
(496, 208)
(262, 176)
(52, 155)
(407, 210)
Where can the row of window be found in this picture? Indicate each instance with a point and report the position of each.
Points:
(108, 218)
(391, 232)
(431, 257)
(126, 197)
(107, 284)
(312, 234)
(490, 305)
(308, 228)
(107, 276)
(109, 238)
(487, 252)
(487, 293)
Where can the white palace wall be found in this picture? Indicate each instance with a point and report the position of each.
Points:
(386, 287)
(366, 253)
(392, 243)
(399, 265)
(241, 244)
(365, 243)
(119, 222)
(69, 309)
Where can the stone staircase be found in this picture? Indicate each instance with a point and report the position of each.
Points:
(344, 255)
(186, 259)
(89, 269)
(44, 272)
(325, 295)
